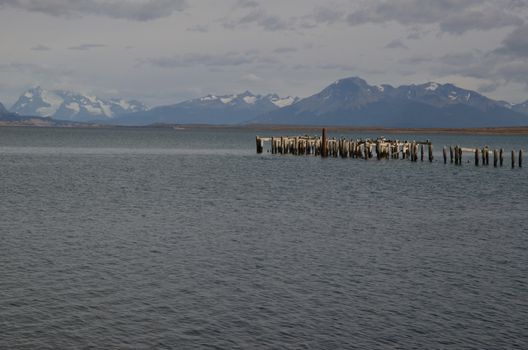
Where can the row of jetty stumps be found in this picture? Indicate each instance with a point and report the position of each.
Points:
(381, 147)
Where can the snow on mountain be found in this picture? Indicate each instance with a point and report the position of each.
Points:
(67, 105)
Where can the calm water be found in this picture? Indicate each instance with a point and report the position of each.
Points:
(161, 238)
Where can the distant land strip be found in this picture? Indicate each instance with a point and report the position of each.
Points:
(47, 122)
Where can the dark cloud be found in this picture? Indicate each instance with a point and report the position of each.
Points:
(516, 43)
(460, 23)
(451, 16)
(86, 47)
(123, 9)
(396, 44)
(41, 48)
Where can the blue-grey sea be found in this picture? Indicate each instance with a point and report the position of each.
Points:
(160, 238)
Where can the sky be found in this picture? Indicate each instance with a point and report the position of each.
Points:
(165, 51)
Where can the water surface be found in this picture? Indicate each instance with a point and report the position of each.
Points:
(162, 238)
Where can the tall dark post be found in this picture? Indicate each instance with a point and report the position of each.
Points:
(430, 152)
(520, 158)
(324, 149)
(259, 146)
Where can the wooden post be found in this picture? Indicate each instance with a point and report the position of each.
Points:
(459, 155)
(501, 157)
(415, 152)
(421, 152)
(456, 155)
(487, 155)
(431, 157)
(259, 145)
(476, 157)
(520, 158)
(451, 153)
(495, 157)
(324, 148)
(444, 152)
(483, 157)
(513, 159)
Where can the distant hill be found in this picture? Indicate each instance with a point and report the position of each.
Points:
(352, 101)
(71, 106)
(210, 109)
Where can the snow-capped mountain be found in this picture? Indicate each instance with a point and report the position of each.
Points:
(211, 109)
(67, 105)
(352, 101)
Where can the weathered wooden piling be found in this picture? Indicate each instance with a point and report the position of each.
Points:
(487, 155)
(476, 157)
(495, 157)
(430, 147)
(520, 158)
(459, 156)
(451, 154)
(421, 152)
(501, 157)
(444, 153)
(260, 146)
(324, 146)
(513, 159)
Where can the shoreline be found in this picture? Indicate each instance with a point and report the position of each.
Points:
(513, 130)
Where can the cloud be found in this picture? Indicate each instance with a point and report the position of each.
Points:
(247, 3)
(86, 47)
(248, 12)
(516, 43)
(285, 50)
(396, 44)
(35, 70)
(252, 78)
(451, 16)
(40, 48)
(198, 28)
(140, 10)
(327, 15)
(487, 88)
(262, 19)
(204, 59)
(460, 23)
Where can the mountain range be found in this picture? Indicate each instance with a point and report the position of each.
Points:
(211, 109)
(352, 101)
(72, 106)
(347, 102)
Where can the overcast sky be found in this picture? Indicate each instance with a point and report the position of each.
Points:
(165, 51)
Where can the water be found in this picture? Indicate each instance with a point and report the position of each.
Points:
(162, 238)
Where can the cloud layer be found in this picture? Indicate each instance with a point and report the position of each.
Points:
(122, 9)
